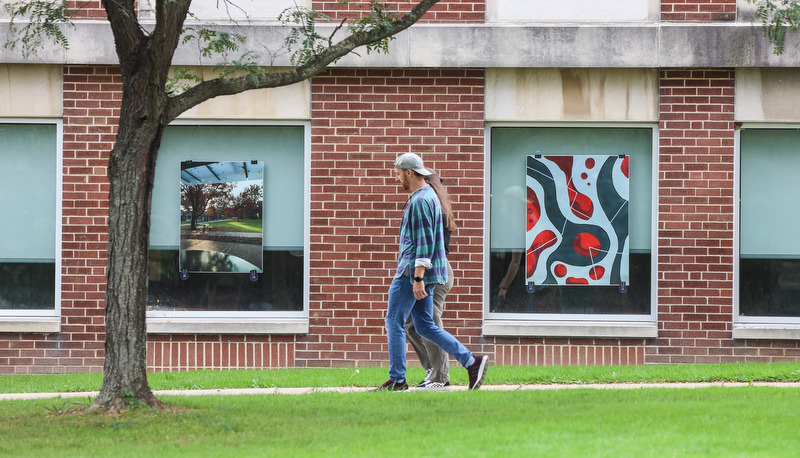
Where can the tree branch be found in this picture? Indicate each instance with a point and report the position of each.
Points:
(170, 16)
(128, 34)
(209, 89)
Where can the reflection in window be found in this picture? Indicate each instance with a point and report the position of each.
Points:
(28, 208)
(566, 300)
(510, 147)
(27, 285)
(279, 288)
(769, 263)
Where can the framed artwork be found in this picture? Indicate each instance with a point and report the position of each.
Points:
(222, 216)
(577, 220)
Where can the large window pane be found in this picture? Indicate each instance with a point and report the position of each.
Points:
(27, 235)
(769, 265)
(280, 286)
(510, 146)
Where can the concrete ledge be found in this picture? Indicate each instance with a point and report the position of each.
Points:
(227, 325)
(531, 328)
(553, 45)
(763, 331)
(34, 325)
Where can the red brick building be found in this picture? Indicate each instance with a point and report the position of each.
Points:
(690, 91)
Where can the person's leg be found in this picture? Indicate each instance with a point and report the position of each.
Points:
(438, 358)
(422, 314)
(401, 300)
(418, 343)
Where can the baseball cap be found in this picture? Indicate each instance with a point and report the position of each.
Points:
(410, 161)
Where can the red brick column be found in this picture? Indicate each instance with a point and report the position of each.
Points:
(695, 217)
(361, 121)
(450, 11)
(88, 9)
(698, 10)
(92, 98)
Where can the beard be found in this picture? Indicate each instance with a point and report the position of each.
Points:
(404, 182)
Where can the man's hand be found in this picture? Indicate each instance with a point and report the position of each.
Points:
(419, 286)
(419, 290)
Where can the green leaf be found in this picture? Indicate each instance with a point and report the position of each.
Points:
(44, 20)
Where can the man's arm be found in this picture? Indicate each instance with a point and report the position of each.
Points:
(422, 232)
(422, 226)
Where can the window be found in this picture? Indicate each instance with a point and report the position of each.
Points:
(509, 148)
(281, 287)
(769, 248)
(30, 190)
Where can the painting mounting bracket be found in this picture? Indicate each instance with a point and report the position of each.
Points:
(530, 288)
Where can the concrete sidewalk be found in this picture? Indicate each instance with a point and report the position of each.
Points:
(308, 390)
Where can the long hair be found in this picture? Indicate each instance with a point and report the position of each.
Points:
(444, 198)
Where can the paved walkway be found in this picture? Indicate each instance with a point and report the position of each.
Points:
(262, 391)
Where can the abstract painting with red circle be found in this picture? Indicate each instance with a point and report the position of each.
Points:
(577, 220)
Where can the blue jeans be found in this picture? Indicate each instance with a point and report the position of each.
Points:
(402, 303)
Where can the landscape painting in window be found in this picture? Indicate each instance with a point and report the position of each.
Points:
(577, 220)
(221, 216)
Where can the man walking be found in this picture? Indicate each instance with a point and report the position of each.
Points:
(422, 263)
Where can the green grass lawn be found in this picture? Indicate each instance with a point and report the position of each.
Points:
(730, 421)
(751, 421)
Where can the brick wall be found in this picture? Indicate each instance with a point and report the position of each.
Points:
(695, 206)
(92, 97)
(91, 9)
(361, 121)
(698, 10)
(568, 352)
(187, 352)
(451, 11)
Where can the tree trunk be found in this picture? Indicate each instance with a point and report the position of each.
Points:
(131, 172)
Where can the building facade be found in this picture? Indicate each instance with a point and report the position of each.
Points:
(689, 92)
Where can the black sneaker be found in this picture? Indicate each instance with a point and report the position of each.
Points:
(477, 371)
(391, 385)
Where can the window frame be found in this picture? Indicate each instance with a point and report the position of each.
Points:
(754, 327)
(571, 325)
(43, 321)
(264, 322)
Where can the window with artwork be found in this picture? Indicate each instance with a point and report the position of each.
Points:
(769, 248)
(571, 221)
(227, 226)
(30, 188)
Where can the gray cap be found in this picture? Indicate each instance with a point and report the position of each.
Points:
(410, 161)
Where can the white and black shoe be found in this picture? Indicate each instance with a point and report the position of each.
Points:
(426, 380)
(433, 386)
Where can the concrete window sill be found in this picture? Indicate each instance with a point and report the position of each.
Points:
(766, 331)
(227, 325)
(598, 329)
